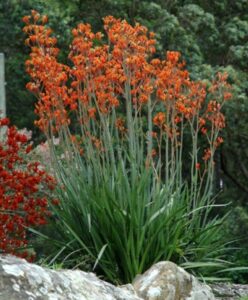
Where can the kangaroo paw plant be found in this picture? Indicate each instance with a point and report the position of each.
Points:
(138, 138)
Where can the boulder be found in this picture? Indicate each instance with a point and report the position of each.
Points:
(165, 280)
(20, 280)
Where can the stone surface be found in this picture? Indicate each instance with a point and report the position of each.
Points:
(167, 281)
(228, 291)
(20, 280)
(163, 281)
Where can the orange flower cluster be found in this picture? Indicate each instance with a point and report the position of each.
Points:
(90, 81)
(120, 124)
(159, 119)
(131, 48)
(48, 76)
(120, 74)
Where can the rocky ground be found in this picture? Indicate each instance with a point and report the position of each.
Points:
(20, 280)
(227, 291)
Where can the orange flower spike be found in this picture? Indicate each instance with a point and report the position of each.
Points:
(73, 138)
(220, 140)
(26, 20)
(73, 106)
(47, 73)
(222, 77)
(173, 56)
(207, 154)
(34, 13)
(159, 119)
(227, 96)
(120, 124)
(204, 130)
(44, 20)
(177, 119)
(92, 112)
(202, 122)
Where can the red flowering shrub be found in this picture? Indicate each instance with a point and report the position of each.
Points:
(22, 202)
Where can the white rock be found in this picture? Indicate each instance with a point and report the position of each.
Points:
(163, 281)
(170, 283)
